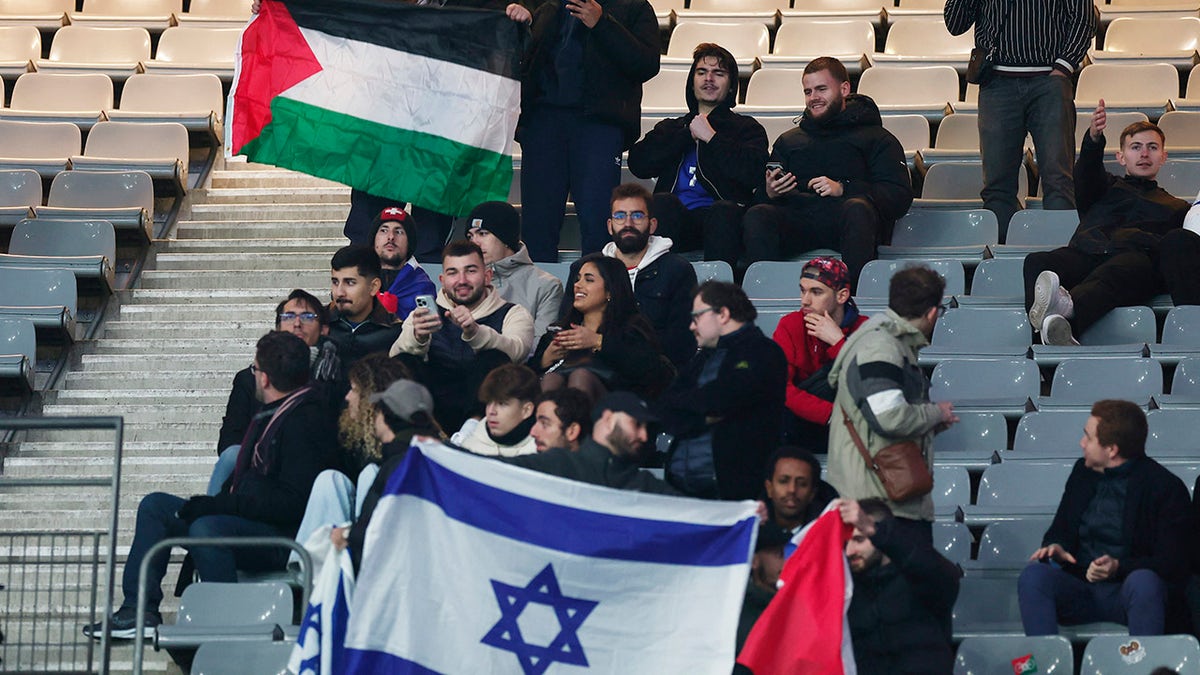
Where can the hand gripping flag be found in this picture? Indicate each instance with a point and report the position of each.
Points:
(804, 629)
(474, 566)
(318, 649)
(414, 103)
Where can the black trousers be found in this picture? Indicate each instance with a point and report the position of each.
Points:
(716, 229)
(1097, 282)
(455, 386)
(432, 228)
(851, 226)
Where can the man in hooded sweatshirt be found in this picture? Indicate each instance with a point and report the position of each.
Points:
(842, 180)
(706, 163)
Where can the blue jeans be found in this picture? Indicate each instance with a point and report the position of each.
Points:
(563, 152)
(1049, 596)
(156, 521)
(1010, 107)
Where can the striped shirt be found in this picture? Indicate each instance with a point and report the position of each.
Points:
(1034, 37)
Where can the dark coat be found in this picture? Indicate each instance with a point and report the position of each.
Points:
(376, 334)
(628, 359)
(592, 463)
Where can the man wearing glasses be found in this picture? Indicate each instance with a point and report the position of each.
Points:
(662, 281)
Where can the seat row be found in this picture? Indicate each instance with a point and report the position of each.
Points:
(123, 198)
(1053, 653)
(154, 15)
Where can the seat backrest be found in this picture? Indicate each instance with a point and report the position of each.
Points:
(958, 380)
(745, 40)
(944, 227)
(38, 288)
(774, 280)
(738, 5)
(994, 654)
(667, 89)
(138, 140)
(718, 270)
(20, 187)
(953, 540)
(973, 431)
(1193, 83)
(1116, 123)
(876, 275)
(900, 85)
(53, 237)
(974, 328)
(1182, 127)
(1182, 326)
(1023, 484)
(17, 8)
(39, 140)
(776, 86)
(1152, 35)
(1118, 654)
(959, 131)
(1122, 326)
(1010, 543)
(62, 91)
(1179, 177)
(239, 604)
(219, 8)
(1038, 227)
(102, 189)
(961, 180)
(1171, 429)
(926, 37)
(192, 44)
(232, 658)
(1056, 430)
(1186, 381)
(151, 92)
(20, 43)
(17, 336)
(835, 6)
(1087, 380)
(999, 278)
(911, 130)
(1127, 82)
(951, 487)
(825, 36)
(987, 603)
(133, 8)
(95, 44)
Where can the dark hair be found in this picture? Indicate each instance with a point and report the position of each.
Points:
(621, 313)
(422, 422)
(572, 406)
(797, 453)
(914, 291)
(876, 508)
(1123, 424)
(509, 381)
(725, 61)
(1139, 127)
(314, 306)
(359, 256)
(284, 358)
(722, 294)
(634, 191)
(376, 372)
(835, 67)
(459, 248)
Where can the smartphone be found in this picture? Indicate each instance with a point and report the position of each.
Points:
(775, 168)
(425, 302)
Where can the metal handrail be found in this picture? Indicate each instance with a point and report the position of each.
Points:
(139, 646)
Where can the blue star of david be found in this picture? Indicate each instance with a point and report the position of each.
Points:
(571, 612)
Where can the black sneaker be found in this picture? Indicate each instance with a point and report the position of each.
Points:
(123, 625)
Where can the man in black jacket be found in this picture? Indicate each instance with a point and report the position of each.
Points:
(904, 593)
(359, 324)
(1124, 224)
(725, 408)
(842, 183)
(1117, 547)
(289, 442)
(707, 162)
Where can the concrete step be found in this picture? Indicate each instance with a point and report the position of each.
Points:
(260, 228)
(179, 346)
(151, 330)
(218, 279)
(135, 361)
(157, 397)
(225, 305)
(136, 431)
(241, 213)
(246, 178)
(101, 450)
(92, 378)
(273, 195)
(259, 261)
(142, 412)
(322, 245)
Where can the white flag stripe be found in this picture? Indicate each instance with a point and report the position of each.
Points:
(399, 89)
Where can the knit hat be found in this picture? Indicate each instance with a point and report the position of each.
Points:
(405, 398)
(499, 218)
(829, 271)
(396, 214)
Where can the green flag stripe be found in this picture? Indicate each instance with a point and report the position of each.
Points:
(430, 171)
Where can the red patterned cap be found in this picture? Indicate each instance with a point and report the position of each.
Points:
(829, 271)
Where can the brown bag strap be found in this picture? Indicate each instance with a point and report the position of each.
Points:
(858, 442)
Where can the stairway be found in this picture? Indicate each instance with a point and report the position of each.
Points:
(168, 352)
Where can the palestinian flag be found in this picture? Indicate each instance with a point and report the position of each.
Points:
(414, 103)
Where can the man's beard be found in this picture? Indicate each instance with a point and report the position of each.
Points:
(631, 243)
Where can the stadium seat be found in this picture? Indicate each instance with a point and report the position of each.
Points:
(1037, 230)
(869, 10)
(987, 607)
(972, 441)
(1172, 434)
(912, 131)
(45, 147)
(974, 332)
(159, 149)
(951, 490)
(124, 198)
(235, 658)
(925, 41)
(60, 97)
(227, 611)
(116, 52)
(1048, 435)
(1123, 331)
(192, 50)
(921, 90)
(801, 40)
(1079, 382)
(957, 141)
(1125, 88)
(995, 655)
(1180, 335)
(775, 123)
(998, 282)
(775, 88)
(1168, 9)
(20, 191)
(872, 287)
(1180, 178)
(745, 40)
(732, 11)
(714, 269)
(956, 185)
(665, 93)
(773, 284)
(1007, 545)
(1183, 128)
(18, 355)
(768, 319)
(46, 297)
(86, 248)
(1150, 40)
(223, 14)
(1191, 98)
(986, 385)
(560, 270)
(1018, 490)
(20, 46)
(1186, 469)
(1185, 385)
(149, 14)
(952, 540)
(943, 234)
(47, 15)
(195, 101)
(664, 10)
(1112, 654)
(906, 10)
(1115, 124)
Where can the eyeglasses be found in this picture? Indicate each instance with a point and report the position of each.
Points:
(305, 317)
(701, 312)
(635, 216)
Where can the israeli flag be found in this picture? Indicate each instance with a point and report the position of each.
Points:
(475, 566)
(319, 646)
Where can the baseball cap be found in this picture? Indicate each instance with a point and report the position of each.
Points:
(624, 402)
(405, 398)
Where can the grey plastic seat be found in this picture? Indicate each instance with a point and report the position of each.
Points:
(1183, 128)
(920, 90)
(956, 185)
(192, 49)
(942, 233)
(1172, 434)
(713, 269)
(1103, 654)
(951, 490)
(972, 332)
(48, 298)
(19, 46)
(86, 248)
(1144, 88)
(1007, 544)
(952, 540)
(772, 283)
(20, 191)
(47, 15)
(986, 385)
(997, 283)
(972, 441)
(1048, 435)
(237, 612)
(215, 14)
(1180, 177)
(18, 355)
(774, 89)
(80, 99)
(1018, 490)
(45, 147)
(1180, 335)
(1146, 40)
(124, 198)
(913, 133)
(994, 655)
(768, 319)
(1185, 386)
(871, 291)
(801, 40)
(957, 141)
(116, 51)
(746, 40)
(1186, 469)
(987, 607)
(236, 658)
(160, 149)
(1037, 230)
(1080, 382)
(195, 101)
(1123, 331)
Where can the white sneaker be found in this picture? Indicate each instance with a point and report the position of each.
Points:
(1056, 330)
(1049, 298)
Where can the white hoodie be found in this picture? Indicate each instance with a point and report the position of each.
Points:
(656, 248)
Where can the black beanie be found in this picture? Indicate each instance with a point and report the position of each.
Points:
(499, 218)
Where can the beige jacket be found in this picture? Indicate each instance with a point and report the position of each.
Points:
(514, 338)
